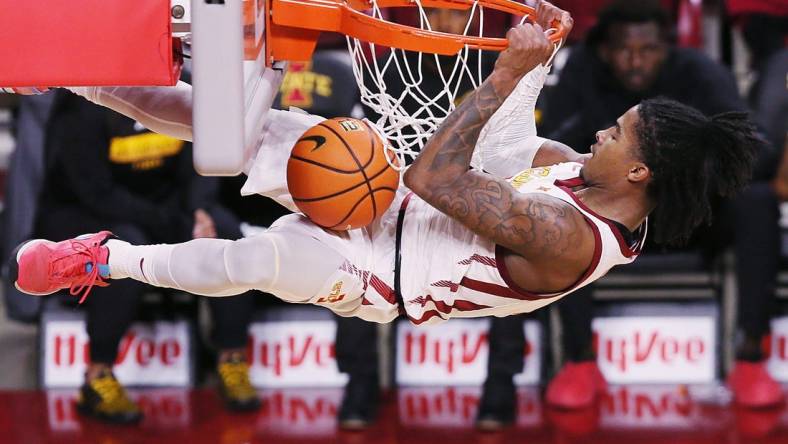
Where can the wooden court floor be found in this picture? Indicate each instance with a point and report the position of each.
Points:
(407, 416)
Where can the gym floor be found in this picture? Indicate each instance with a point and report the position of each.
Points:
(646, 414)
(197, 417)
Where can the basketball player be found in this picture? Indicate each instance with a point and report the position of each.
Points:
(457, 241)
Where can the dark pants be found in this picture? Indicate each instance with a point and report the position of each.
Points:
(507, 344)
(357, 347)
(764, 35)
(751, 223)
(576, 311)
(110, 311)
(748, 224)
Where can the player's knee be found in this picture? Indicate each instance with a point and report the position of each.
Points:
(252, 262)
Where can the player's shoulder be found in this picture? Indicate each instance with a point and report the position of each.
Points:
(563, 241)
(541, 179)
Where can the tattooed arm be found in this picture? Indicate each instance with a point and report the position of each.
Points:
(534, 226)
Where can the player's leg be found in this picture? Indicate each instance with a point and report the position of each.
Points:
(162, 109)
(284, 261)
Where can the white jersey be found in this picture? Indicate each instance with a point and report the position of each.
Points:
(448, 271)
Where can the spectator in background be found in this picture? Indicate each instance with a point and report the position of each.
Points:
(94, 155)
(23, 186)
(326, 87)
(764, 26)
(629, 56)
(770, 101)
(323, 88)
(498, 404)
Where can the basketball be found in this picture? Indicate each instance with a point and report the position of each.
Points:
(339, 175)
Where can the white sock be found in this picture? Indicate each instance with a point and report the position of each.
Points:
(139, 262)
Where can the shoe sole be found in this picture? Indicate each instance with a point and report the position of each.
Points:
(14, 268)
(488, 425)
(354, 424)
(86, 411)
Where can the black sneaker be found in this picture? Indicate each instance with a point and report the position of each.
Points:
(360, 403)
(104, 398)
(234, 386)
(498, 406)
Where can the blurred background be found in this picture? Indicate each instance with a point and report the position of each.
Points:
(686, 345)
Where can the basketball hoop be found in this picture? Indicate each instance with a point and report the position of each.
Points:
(294, 26)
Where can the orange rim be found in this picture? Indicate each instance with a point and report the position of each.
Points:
(293, 26)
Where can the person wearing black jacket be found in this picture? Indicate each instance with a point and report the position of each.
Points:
(498, 403)
(627, 57)
(95, 156)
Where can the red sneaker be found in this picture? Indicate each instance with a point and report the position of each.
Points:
(753, 386)
(576, 386)
(44, 267)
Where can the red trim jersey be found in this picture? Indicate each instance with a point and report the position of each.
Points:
(448, 271)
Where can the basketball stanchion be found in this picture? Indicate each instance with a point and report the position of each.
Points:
(239, 50)
(88, 43)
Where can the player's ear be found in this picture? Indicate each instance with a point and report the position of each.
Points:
(638, 172)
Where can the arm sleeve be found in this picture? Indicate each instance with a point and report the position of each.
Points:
(83, 157)
(508, 142)
(165, 110)
(569, 108)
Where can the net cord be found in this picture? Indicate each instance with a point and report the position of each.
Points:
(403, 133)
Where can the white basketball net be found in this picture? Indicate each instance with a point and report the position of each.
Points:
(406, 131)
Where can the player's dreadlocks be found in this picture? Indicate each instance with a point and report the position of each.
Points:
(692, 159)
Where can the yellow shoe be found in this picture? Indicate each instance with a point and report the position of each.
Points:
(234, 385)
(104, 398)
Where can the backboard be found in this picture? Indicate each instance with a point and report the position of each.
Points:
(232, 87)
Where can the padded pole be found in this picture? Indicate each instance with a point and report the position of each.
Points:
(87, 43)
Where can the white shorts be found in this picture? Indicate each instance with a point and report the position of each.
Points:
(363, 285)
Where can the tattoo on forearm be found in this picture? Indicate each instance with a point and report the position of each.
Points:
(539, 225)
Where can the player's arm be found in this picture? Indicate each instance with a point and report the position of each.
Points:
(446, 156)
(508, 143)
(552, 152)
(533, 225)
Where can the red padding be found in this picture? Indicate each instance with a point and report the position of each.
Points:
(86, 43)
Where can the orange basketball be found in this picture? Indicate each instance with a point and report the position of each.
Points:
(338, 174)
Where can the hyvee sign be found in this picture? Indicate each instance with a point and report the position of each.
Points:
(455, 353)
(152, 354)
(646, 349)
(294, 354)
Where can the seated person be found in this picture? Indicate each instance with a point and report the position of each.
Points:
(515, 246)
(628, 57)
(94, 157)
